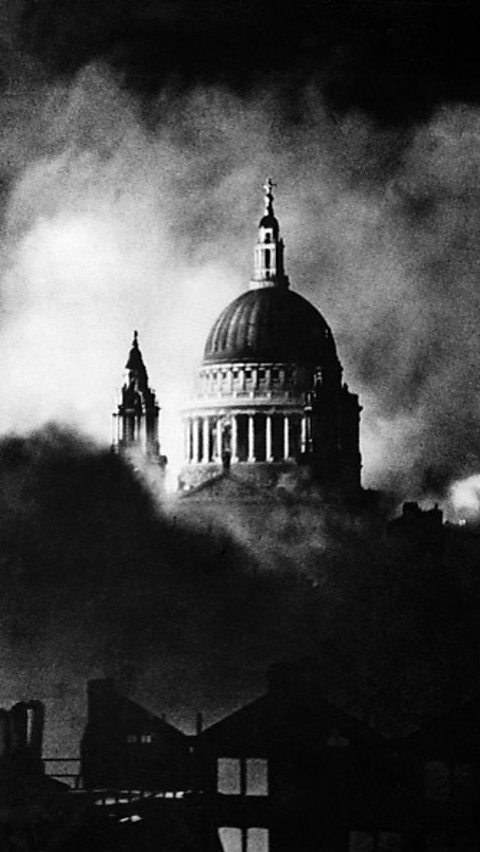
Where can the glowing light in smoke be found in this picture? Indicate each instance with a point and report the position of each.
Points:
(465, 495)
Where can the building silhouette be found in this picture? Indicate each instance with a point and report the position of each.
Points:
(288, 772)
(126, 747)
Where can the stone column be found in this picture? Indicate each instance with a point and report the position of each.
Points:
(219, 439)
(188, 427)
(196, 436)
(303, 435)
(142, 431)
(268, 438)
(251, 438)
(286, 436)
(234, 439)
(206, 440)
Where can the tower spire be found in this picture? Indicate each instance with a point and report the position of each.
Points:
(137, 419)
(137, 373)
(268, 270)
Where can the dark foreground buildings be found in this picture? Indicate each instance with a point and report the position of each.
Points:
(289, 772)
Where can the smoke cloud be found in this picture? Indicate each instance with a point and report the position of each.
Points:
(122, 212)
(115, 220)
(96, 581)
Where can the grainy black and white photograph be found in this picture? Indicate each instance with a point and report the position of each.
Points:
(239, 426)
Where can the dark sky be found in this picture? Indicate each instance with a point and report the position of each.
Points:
(394, 60)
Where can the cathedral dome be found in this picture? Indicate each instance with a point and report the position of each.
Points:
(269, 397)
(271, 324)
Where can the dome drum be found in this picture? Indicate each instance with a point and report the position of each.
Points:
(253, 379)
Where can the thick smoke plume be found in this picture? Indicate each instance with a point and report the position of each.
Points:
(114, 220)
(123, 212)
(96, 581)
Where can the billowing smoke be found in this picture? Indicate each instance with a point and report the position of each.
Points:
(96, 581)
(464, 497)
(123, 212)
(112, 222)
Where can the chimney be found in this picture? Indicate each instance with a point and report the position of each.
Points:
(18, 728)
(4, 734)
(101, 697)
(35, 725)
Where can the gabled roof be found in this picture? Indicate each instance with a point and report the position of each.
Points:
(132, 714)
(244, 730)
(110, 711)
(228, 486)
(309, 721)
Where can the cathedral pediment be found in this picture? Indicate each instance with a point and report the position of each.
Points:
(229, 488)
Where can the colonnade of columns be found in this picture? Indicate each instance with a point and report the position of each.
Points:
(209, 437)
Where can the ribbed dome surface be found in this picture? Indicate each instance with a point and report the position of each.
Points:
(270, 324)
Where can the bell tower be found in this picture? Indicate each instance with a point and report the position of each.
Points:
(136, 421)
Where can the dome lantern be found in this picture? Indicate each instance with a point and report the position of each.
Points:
(268, 270)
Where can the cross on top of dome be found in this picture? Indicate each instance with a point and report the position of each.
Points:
(268, 187)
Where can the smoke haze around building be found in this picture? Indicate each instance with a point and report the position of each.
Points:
(128, 206)
(120, 215)
(98, 582)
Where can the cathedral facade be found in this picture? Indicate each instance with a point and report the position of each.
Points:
(269, 405)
